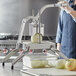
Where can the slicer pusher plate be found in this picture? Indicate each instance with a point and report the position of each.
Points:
(42, 45)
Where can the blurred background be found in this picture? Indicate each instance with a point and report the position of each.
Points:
(13, 11)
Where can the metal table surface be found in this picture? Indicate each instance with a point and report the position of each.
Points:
(6, 70)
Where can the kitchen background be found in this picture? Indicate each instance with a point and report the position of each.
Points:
(13, 11)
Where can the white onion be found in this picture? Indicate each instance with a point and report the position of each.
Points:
(35, 38)
(60, 64)
(71, 64)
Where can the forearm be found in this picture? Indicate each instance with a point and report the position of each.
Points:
(73, 14)
(69, 9)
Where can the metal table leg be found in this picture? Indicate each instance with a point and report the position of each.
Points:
(3, 64)
(8, 56)
(19, 57)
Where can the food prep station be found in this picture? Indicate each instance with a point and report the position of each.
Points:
(19, 56)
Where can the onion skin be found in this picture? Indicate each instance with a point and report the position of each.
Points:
(71, 64)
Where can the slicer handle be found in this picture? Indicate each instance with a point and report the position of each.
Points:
(61, 54)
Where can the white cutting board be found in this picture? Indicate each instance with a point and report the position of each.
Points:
(51, 71)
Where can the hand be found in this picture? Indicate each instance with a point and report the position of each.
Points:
(58, 46)
(67, 8)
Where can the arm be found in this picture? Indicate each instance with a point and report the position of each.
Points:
(69, 10)
(73, 14)
(59, 31)
(58, 46)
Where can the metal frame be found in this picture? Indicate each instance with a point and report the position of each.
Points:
(35, 19)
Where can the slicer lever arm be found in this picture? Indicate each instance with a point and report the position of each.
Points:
(24, 21)
(58, 53)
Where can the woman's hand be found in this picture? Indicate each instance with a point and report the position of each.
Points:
(67, 8)
(58, 46)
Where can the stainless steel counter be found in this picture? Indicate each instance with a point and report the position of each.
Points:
(6, 71)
